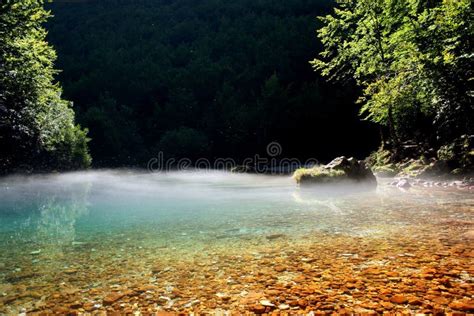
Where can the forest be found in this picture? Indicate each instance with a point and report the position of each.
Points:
(217, 78)
(201, 79)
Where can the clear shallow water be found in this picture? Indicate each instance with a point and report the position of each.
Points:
(104, 224)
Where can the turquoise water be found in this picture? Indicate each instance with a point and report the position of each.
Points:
(56, 225)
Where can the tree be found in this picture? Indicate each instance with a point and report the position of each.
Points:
(407, 55)
(448, 63)
(37, 126)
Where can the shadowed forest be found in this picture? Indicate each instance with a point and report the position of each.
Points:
(202, 79)
(217, 78)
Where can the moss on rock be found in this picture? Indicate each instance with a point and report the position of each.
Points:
(340, 170)
(317, 174)
(389, 170)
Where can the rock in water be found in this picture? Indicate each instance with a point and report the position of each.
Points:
(243, 169)
(275, 236)
(283, 306)
(267, 303)
(112, 298)
(340, 170)
(404, 184)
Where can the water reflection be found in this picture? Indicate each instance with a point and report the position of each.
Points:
(41, 214)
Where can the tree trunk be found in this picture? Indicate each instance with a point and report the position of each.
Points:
(393, 133)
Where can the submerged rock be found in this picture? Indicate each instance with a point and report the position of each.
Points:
(403, 183)
(70, 271)
(398, 299)
(469, 234)
(242, 169)
(275, 236)
(465, 306)
(78, 243)
(340, 170)
(20, 276)
(283, 306)
(112, 298)
(267, 303)
(223, 296)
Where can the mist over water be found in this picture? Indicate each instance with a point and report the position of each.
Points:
(91, 221)
(206, 203)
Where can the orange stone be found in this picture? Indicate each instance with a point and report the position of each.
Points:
(385, 291)
(441, 300)
(302, 303)
(94, 291)
(258, 309)
(462, 306)
(299, 279)
(251, 298)
(88, 307)
(112, 298)
(387, 305)
(399, 299)
(272, 292)
(144, 288)
(414, 301)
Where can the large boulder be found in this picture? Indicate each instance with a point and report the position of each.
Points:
(341, 170)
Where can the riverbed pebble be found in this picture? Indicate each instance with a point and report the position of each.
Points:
(420, 269)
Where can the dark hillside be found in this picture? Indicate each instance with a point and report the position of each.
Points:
(208, 78)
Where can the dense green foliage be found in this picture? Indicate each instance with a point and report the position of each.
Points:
(216, 78)
(37, 127)
(414, 61)
(210, 78)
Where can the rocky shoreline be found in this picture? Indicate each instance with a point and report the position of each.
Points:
(466, 184)
(404, 175)
(341, 170)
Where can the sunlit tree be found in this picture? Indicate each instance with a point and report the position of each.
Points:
(37, 125)
(411, 58)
